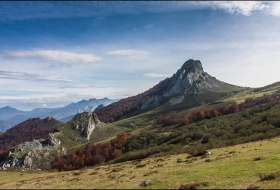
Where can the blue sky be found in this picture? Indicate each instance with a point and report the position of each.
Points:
(55, 53)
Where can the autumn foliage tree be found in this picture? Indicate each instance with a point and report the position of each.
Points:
(91, 154)
(215, 112)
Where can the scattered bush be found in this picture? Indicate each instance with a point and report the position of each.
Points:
(270, 176)
(193, 185)
(199, 153)
(258, 158)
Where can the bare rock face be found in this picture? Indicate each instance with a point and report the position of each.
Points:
(85, 123)
(32, 155)
(190, 74)
(52, 141)
(185, 77)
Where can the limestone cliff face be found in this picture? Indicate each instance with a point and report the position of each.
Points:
(190, 74)
(85, 123)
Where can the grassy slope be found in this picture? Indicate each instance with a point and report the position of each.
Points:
(72, 139)
(229, 167)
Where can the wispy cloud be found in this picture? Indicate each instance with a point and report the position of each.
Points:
(240, 7)
(156, 75)
(131, 54)
(27, 76)
(62, 58)
(83, 86)
(31, 10)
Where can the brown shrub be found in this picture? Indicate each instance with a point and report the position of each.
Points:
(140, 165)
(258, 158)
(272, 175)
(208, 160)
(199, 153)
(179, 160)
(193, 185)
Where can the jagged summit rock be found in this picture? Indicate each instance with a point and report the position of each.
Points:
(190, 74)
(185, 77)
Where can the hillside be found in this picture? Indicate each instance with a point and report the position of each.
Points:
(189, 87)
(169, 126)
(12, 116)
(83, 128)
(34, 128)
(234, 167)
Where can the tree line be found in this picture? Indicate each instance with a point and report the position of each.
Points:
(181, 120)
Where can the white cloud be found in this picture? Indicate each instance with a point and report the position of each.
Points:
(27, 76)
(131, 54)
(241, 7)
(44, 105)
(30, 10)
(156, 75)
(62, 58)
(275, 8)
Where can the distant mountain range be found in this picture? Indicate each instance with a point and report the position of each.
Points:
(10, 117)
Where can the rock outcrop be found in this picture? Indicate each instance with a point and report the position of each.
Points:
(85, 123)
(32, 155)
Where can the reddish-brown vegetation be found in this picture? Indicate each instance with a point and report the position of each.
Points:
(128, 105)
(270, 176)
(91, 154)
(215, 112)
(28, 130)
(3, 155)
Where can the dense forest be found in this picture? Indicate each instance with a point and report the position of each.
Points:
(129, 105)
(34, 128)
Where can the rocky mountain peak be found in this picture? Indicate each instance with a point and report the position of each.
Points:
(185, 77)
(192, 65)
